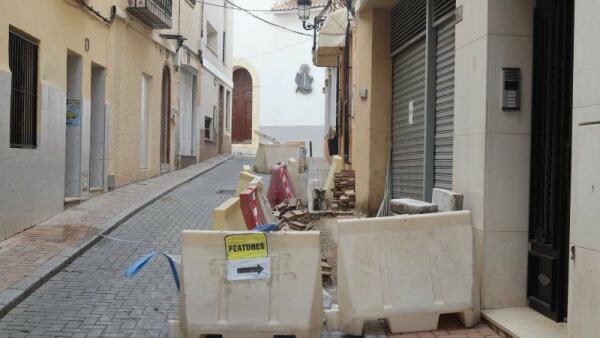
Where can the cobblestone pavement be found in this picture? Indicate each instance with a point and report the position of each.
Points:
(92, 298)
(42, 245)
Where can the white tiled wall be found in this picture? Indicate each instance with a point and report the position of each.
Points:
(584, 271)
(32, 180)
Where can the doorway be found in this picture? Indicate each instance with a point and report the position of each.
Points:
(97, 129)
(187, 111)
(165, 125)
(551, 158)
(221, 113)
(74, 122)
(242, 107)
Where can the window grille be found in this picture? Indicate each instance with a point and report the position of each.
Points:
(23, 63)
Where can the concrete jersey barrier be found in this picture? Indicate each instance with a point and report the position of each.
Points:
(228, 216)
(213, 302)
(405, 269)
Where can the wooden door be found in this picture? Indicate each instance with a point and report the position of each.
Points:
(242, 106)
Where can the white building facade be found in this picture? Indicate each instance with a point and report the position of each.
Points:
(214, 110)
(269, 62)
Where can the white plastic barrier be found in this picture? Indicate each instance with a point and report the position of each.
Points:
(283, 297)
(405, 269)
(297, 179)
(269, 154)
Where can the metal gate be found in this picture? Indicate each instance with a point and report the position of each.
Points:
(408, 122)
(444, 106)
(551, 157)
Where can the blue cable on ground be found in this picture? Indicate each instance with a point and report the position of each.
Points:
(140, 263)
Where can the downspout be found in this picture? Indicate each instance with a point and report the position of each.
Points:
(346, 116)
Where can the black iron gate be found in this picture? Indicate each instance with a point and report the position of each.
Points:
(551, 157)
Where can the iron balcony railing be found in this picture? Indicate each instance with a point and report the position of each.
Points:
(155, 14)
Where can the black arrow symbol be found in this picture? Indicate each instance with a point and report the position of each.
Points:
(251, 269)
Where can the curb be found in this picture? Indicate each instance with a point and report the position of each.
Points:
(20, 290)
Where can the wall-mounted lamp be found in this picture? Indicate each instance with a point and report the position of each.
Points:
(304, 8)
(86, 44)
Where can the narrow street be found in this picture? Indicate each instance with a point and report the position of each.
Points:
(92, 298)
(344, 168)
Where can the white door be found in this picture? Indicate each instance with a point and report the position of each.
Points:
(186, 134)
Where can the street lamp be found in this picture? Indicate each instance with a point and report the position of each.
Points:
(304, 8)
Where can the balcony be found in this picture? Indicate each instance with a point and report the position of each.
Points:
(155, 14)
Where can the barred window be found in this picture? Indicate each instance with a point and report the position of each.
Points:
(23, 63)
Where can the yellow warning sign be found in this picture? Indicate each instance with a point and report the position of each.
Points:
(245, 246)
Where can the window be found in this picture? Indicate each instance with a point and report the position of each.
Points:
(212, 37)
(208, 123)
(23, 63)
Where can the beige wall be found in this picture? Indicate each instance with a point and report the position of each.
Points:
(32, 180)
(491, 146)
(372, 116)
(584, 271)
(137, 50)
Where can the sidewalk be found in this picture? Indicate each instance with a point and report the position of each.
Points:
(31, 257)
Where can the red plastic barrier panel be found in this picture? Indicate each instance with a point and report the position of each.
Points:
(280, 185)
(251, 209)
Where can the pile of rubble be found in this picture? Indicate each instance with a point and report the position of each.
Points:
(292, 215)
(344, 195)
(326, 272)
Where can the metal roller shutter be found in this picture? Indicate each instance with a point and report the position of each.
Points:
(444, 107)
(408, 133)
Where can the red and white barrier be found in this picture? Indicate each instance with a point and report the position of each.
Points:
(280, 185)
(255, 212)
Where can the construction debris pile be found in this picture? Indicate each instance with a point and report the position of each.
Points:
(326, 272)
(344, 195)
(292, 215)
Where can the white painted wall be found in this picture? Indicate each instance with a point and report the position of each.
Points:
(217, 71)
(277, 55)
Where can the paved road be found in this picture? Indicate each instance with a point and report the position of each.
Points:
(91, 298)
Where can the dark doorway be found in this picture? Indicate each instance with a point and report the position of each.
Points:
(221, 114)
(242, 107)
(551, 158)
(165, 126)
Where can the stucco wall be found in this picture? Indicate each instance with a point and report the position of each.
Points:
(32, 180)
(277, 55)
(584, 271)
(371, 132)
(217, 71)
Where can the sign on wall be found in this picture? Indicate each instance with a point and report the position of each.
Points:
(73, 112)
